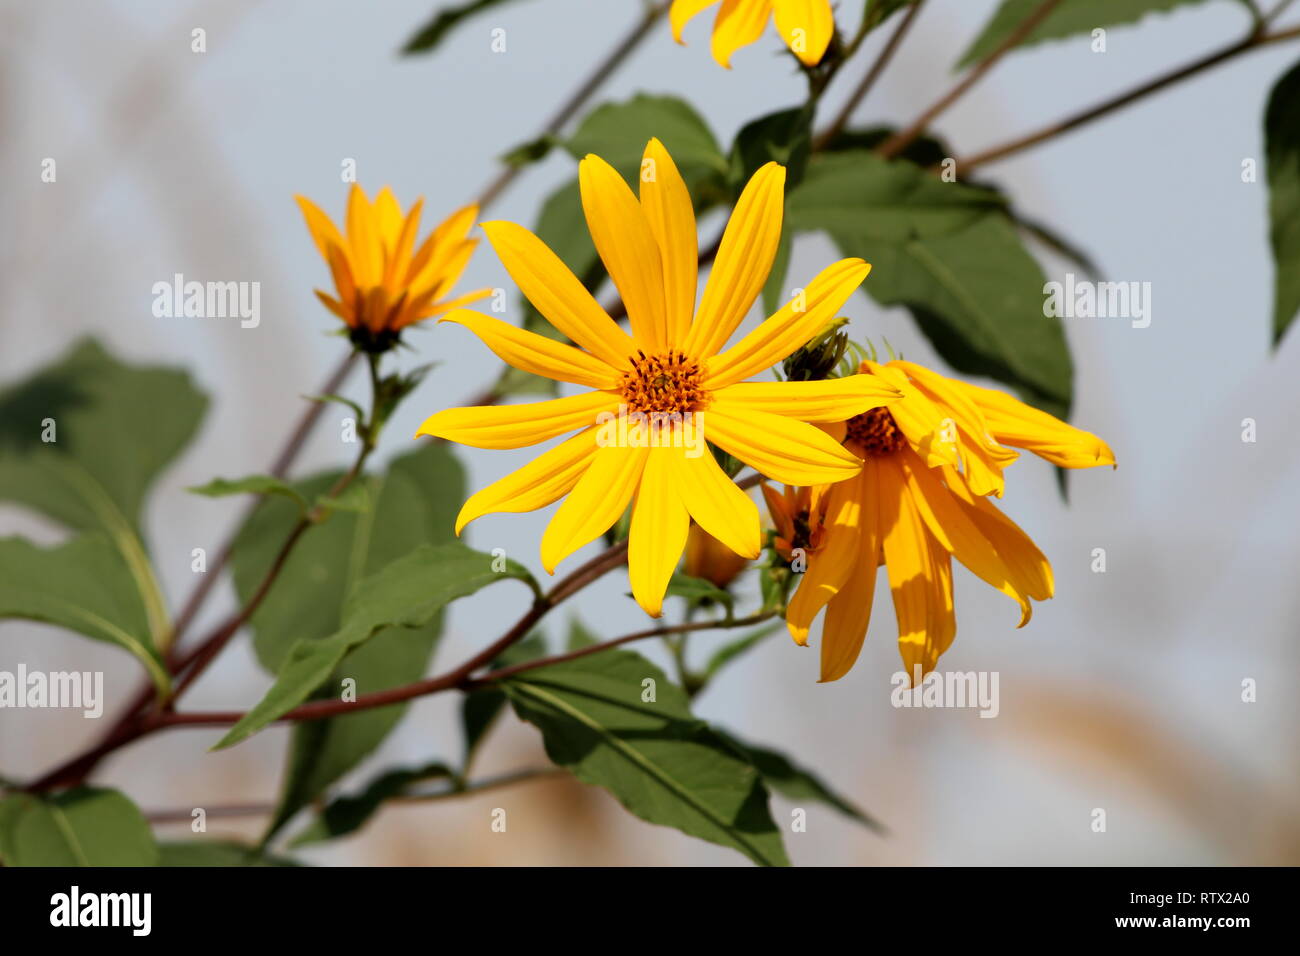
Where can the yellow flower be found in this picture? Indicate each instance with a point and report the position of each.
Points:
(710, 559)
(671, 370)
(929, 461)
(383, 283)
(806, 26)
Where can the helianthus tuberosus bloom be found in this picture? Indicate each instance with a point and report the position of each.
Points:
(929, 462)
(655, 394)
(383, 282)
(806, 26)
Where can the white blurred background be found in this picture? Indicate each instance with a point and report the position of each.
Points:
(1124, 692)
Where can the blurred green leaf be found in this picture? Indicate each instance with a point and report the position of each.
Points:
(115, 428)
(794, 782)
(217, 853)
(1282, 146)
(728, 652)
(784, 137)
(698, 591)
(533, 151)
(87, 826)
(618, 133)
(663, 764)
(579, 637)
(348, 814)
(409, 593)
(251, 485)
(1071, 18)
(427, 38)
(354, 498)
(83, 585)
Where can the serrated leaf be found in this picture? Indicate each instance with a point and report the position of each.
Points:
(1071, 18)
(409, 593)
(88, 826)
(250, 485)
(656, 758)
(348, 814)
(432, 33)
(1282, 147)
(83, 585)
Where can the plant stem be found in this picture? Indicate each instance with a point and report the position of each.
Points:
(901, 140)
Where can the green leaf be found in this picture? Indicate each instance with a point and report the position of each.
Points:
(83, 827)
(1071, 18)
(84, 585)
(949, 253)
(408, 593)
(784, 137)
(1282, 147)
(533, 151)
(663, 764)
(354, 498)
(432, 33)
(698, 591)
(217, 853)
(579, 636)
(115, 428)
(348, 814)
(794, 782)
(480, 709)
(618, 133)
(728, 652)
(252, 485)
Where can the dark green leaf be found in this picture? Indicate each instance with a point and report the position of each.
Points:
(1070, 18)
(784, 137)
(83, 827)
(664, 765)
(443, 22)
(353, 498)
(535, 150)
(618, 133)
(345, 815)
(1282, 145)
(83, 585)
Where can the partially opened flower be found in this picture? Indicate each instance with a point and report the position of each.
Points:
(929, 461)
(382, 281)
(654, 395)
(806, 26)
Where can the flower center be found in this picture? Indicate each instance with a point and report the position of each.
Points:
(663, 383)
(876, 432)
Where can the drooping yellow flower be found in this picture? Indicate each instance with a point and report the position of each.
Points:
(382, 282)
(656, 394)
(806, 26)
(929, 462)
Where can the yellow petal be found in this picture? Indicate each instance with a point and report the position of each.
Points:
(931, 432)
(849, 612)
(806, 26)
(430, 261)
(1029, 566)
(344, 284)
(783, 449)
(739, 23)
(658, 532)
(833, 400)
(334, 306)
(668, 210)
(682, 11)
(627, 247)
(323, 231)
(797, 321)
(716, 503)
(414, 312)
(547, 478)
(535, 353)
(829, 567)
(388, 218)
(744, 260)
(400, 254)
(598, 500)
(516, 426)
(1014, 423)
(363, 239)
(556, 293)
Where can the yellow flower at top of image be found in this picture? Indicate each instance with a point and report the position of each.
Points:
(806, 26)
(929, 462)
(672, 369)
(383, 282)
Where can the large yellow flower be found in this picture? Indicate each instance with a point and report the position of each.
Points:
(383, 283)
(929, 461)
(806, 26)
(671, 369)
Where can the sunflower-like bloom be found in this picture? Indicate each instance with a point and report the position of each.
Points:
(929, 462)
(382, 282)
(655, 394)
(806, 26)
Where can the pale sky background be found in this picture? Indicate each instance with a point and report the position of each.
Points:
(1124, 691)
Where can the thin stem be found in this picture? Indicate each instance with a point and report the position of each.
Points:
(584, 92)
(1254, 41)
(865, 85)
(901, 140)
